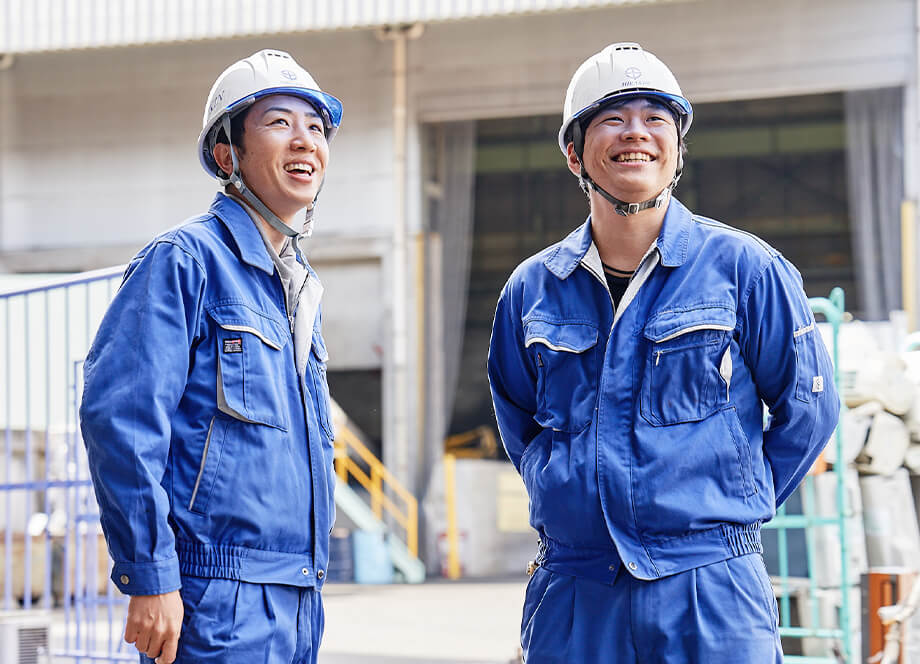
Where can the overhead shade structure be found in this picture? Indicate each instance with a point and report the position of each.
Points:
(54, 25)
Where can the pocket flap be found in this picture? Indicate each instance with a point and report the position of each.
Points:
(239, 318)
(569, 337)
(318, 345)
(670, 324)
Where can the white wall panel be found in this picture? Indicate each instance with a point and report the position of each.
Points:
(98, 147)
(41, 25)
(719, 50)
(107, 139)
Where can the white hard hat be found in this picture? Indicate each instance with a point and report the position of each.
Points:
(267, 72)
(619, 72)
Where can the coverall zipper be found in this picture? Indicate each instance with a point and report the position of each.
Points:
(291, 316)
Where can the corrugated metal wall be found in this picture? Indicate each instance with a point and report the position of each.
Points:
(49, 25)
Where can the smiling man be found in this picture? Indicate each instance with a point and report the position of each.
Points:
(205, 408)
(629, 366)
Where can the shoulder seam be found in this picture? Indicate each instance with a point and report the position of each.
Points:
(175, 242)
(703, 221)
(742, 305)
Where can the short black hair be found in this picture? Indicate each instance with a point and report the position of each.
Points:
(236, 133)
(236, 129)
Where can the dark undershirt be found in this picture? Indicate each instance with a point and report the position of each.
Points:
(617, 282)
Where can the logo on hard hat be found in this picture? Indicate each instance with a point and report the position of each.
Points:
(218, 99)
(288, 74)
(633, 72)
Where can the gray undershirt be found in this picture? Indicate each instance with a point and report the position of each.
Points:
(302, 291)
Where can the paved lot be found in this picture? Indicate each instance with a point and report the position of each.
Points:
(439, 622)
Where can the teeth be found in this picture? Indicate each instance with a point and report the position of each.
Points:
(299, 167)
(633, 156)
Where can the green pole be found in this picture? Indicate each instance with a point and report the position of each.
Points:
(833, 310)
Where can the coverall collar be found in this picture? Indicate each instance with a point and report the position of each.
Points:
(245, 234)
(671, 243)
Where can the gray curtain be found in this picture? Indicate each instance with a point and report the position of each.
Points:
(453, 221)
(876, 187)
(449, 190)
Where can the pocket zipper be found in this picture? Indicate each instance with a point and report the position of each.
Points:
(695, 328)
(204, 457)
(688, 330)
(725, 370)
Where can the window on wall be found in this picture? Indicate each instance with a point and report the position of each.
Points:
(774, 167)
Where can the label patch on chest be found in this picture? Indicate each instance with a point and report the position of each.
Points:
(233, 345)
(817, 384)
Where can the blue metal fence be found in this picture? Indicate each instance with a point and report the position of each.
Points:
(54, 557)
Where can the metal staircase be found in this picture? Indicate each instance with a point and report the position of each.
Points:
(386, 506)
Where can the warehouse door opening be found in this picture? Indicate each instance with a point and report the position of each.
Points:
(774, 167)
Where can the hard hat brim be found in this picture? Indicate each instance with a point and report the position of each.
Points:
(678, 103)
(329, 108)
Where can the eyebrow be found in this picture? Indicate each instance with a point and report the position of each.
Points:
(647, 103)
(283, 109)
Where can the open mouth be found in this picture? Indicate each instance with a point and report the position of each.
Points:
(299, 168)
(633, 157)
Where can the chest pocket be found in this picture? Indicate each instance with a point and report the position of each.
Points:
(568, 367)
(252, 378)
(686, 374)
(318, 360)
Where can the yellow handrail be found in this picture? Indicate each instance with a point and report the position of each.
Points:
(348, 451)
(450, 496)
(458, 444)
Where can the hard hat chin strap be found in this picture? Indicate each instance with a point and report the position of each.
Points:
(236, 179)
(622, 208)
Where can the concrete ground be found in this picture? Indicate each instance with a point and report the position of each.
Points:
(438, 622)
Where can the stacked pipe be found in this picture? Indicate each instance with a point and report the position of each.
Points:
(881, 449)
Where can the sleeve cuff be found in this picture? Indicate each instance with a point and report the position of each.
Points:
(149, 578)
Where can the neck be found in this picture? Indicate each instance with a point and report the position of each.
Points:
(622, 241)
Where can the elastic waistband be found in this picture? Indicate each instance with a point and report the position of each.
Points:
(704, 547)
(227, 561)
(742, 539)
(669, 556)
(599, 565)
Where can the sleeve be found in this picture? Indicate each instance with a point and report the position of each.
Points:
(792, 371)
(512, 379)
(134, 377)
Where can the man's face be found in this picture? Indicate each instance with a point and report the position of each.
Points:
(631, 149)
(284, 153)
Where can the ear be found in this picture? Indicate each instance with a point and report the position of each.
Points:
(572, 159)
(223, 158)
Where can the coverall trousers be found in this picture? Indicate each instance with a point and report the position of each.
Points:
(233, 622)
(720, 613)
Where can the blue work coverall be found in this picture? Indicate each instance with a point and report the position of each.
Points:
(639, 434)
(211, 454)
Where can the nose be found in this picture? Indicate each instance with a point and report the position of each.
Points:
(303, 138)
(634, 129)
